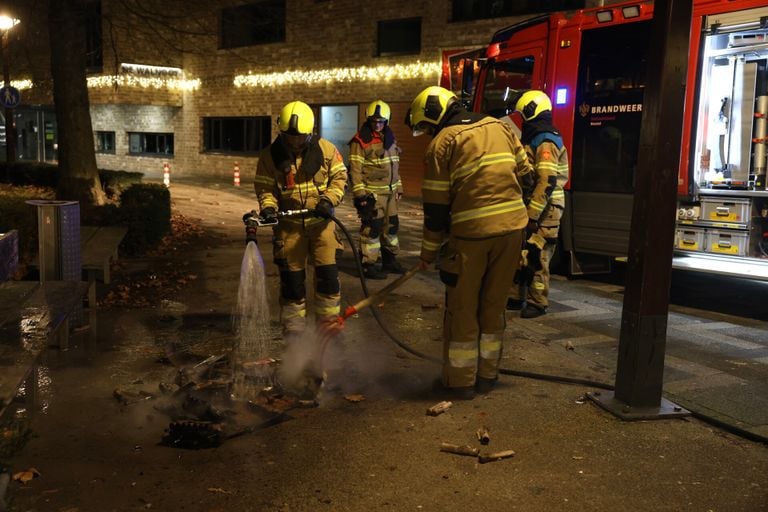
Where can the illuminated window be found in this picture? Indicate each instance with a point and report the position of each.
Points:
(236, 134)
(399, 37)
(254, 23)
(150, 144)
(105, 142)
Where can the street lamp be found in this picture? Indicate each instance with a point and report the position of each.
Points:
(6, 24)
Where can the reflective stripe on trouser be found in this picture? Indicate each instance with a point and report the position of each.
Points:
(538, 292)
(293, 316)
(474, 313)
(326, 306)
(295, 245)
(373, 240)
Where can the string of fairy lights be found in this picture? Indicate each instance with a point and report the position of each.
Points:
(172, 79)
(335, 75)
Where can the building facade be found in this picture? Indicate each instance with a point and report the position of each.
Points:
(199, 85)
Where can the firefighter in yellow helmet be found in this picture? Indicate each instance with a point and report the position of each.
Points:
(297, 171)
(474, 217)
(544, 147)
(374, 162)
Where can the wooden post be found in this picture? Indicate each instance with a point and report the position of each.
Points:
(642, 342)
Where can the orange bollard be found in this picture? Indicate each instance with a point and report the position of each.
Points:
(166, 174)
(237, 174)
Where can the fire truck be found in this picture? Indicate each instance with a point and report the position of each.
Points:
(593, 64)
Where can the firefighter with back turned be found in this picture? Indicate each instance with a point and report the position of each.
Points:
(474, 218)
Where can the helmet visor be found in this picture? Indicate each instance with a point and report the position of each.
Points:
(422, 128)
(295, 143)
(377, 123)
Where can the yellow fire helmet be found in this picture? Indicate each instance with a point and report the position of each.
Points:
(378, 110)
(296, 118)
(429, 107)
(533, 103)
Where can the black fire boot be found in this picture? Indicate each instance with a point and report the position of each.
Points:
(441, 391)
(531, 311)
(373, 271)
(485, 386)
(390, 264)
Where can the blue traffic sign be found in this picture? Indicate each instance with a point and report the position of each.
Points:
(10, 97)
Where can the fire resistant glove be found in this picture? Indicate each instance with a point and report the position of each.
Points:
(531, 228)
(365, 206)
(269, 215)
(324, 208)
(530, 260)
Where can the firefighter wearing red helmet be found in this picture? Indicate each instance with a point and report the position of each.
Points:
(545, 149)
(374, 162)
(474, 217)
(302, 171)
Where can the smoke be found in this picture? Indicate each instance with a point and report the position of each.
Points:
(300, 361)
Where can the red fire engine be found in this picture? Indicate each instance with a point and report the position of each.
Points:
(592, 63)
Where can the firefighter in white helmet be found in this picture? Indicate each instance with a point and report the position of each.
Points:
(474, 217)
(545, 150)
(297, 171)
(374, 162)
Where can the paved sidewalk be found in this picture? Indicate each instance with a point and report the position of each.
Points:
(715, 364)
(370, 446)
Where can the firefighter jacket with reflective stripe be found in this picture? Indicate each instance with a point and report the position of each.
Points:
(373, 168)
(471, 184)
(287, 182)
(550, 162)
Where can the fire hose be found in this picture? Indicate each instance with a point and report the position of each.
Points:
(253, 220)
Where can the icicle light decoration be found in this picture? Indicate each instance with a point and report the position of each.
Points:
(417, 70)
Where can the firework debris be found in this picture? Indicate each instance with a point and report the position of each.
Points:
(439, 408)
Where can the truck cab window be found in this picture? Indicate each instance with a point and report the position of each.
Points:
(501, 79)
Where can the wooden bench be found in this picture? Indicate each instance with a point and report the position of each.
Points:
(98, 247)
(33, 315)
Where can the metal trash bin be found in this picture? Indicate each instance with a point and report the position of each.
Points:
(58, 231)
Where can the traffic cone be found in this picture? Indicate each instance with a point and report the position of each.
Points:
(166, 174)
(237, 174)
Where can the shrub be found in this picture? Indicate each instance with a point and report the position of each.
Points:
(29, 173)
(16, 214)
(146, 210)
(46, 175)
(114, 182)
